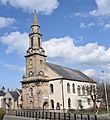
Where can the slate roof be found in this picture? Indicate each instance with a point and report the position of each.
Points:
(2, 93)
(68, 73)
(14, 94)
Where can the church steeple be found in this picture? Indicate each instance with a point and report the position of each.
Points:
(35, 20)
(35, 38)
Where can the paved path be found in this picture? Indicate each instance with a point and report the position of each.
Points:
(7, 117)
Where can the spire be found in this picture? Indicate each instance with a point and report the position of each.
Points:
(35, 21)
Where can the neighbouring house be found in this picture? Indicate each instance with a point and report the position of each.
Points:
(12, 99)
(51, 86)
(2, 94)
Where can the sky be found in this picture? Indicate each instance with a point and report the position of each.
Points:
(76, 34)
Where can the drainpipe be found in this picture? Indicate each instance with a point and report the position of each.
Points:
(62, 94)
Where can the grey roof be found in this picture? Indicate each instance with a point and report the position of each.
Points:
(14, 94)
(2, 93)
(69, 73)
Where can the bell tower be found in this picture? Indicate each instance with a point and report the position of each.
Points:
(35, 37)
(35, 56)
(35, 84)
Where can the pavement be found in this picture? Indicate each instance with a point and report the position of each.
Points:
(8, 117)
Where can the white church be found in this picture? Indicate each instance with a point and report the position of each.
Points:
(51, 86)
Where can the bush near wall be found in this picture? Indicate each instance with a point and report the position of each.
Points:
(2, 113)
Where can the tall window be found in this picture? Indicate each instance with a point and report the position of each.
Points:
(30, 92)
(52, 104)
(88, 90)
(88, 101)
(51, 88)
(69, 103)
(68, 88)
(32, 42)
(80, 104)
(73, 88)
(38, 42)
(83, 90)
(79, 90)
(30, 63)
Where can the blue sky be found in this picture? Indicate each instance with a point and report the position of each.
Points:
(76, 33)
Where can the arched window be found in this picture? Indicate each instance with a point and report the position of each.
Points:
(38, 42)
(68, 88)
(41, 61)
(88, 101)
(58, 106)
(30, 63)
(30, 92)
(80, 104)
(73, 88)
(51, 88)
(79, 90)
(88, 90)
(83, 90)
(32, 42)
(69, 103)
(52, 104)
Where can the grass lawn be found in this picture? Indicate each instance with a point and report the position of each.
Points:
(90, 111)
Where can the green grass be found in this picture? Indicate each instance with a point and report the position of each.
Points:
(2, 113)
(89, 111)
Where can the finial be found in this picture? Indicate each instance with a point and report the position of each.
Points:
(35, 21)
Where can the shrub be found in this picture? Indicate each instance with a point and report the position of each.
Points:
(2, 113)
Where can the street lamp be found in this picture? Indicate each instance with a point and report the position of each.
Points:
(106, 97)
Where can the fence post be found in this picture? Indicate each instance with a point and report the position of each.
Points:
(50, 116)
(68, 116)
(16, 112)
(42, 114)
(74, 116)
(54, 115)
(95, 117)
(58, 116)
(36, 115)
(29, 113)
(24, 113)
(81, 117)
(39, 114)
(64, 117)
(46, 115)
(88, 117)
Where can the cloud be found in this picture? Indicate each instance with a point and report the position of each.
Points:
(4, 22)
(84, 25)
(15, 42)
(102, 8)
(14, 67)
(89, 54)
(44, 6)
(107, 26)
(78, 14)
(61, 48)
(90, 72)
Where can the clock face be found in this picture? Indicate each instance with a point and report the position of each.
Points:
(31, 50)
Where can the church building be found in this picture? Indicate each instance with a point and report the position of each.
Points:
(50, 86)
